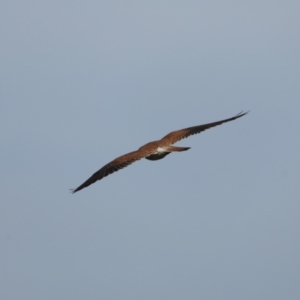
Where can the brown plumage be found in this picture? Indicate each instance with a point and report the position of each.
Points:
(153, 151)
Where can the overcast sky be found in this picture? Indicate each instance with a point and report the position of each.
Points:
(83, 82)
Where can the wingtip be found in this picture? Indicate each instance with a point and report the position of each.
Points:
(242, 113)
(72, 191)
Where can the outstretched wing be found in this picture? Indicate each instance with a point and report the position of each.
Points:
(178, 135)
(115, 165)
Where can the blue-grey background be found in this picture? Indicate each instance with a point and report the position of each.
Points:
(83, 82)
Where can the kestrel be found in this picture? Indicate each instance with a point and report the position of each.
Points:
(153, 151)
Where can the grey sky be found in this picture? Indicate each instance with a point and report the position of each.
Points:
(83, 82)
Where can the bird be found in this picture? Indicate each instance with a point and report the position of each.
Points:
(152, 151)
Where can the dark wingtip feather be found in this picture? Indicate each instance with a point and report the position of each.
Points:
(242, 113)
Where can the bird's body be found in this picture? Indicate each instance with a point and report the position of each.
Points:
(152, 151)
(157, 150)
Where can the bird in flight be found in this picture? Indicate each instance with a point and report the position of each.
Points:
(153, 151)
